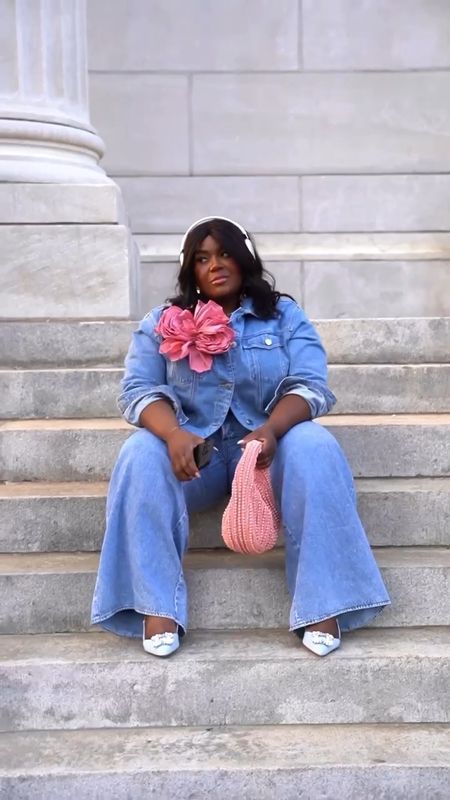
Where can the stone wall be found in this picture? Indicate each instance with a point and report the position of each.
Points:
(314, 121)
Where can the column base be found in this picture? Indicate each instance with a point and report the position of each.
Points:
(44, 152)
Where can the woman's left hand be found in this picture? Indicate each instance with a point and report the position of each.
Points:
(265, 435)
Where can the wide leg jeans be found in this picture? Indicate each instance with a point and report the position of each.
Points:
(330, 568)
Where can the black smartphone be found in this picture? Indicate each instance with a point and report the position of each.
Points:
(203, 453)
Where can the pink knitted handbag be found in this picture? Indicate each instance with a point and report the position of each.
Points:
(251, 521)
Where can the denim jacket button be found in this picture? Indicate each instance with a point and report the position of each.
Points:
(268, 341)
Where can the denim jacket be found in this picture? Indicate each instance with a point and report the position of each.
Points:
(268, 359)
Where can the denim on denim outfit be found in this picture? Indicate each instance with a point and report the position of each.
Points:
(330, 568)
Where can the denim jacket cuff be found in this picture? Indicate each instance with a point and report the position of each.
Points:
(134, 410)
(319, 398)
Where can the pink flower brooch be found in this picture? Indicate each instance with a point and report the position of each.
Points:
(198, 335)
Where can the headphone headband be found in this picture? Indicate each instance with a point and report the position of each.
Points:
(248, 241)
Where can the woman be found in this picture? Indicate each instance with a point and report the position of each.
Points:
(247, 366)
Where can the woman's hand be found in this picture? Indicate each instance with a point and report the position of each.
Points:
(265, 435)
(180, 445)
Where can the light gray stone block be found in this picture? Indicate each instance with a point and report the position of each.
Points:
(71, 682)
(405, 511)
(144, 122)
(320, 123)
(394, 446)
(52, 593)
(381, 389)
(64, 343)
(170, 204)
(158, 282)
(377, 288)
(52, 517)
(44, 203)
(288, 277)
(416, 580)
(385, 341)
(401, 762)
(60, 394)
(376, 34)
(67, 271)
(67, 450)
(59, 343)
(157, 35)
(60, 449)
(375, 203)
(93, 392)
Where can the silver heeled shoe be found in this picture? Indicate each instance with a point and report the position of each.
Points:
(161, 644)
(321, 643)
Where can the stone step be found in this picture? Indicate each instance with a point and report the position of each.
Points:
(92, 392)
(60, 517)
(376, 446)
(263, 677)
(398, 762)
(66, 343)
(52, 593)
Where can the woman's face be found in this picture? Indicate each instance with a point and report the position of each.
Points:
(218, 276)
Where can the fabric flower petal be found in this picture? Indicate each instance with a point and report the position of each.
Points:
(198, 361)
(199, 335)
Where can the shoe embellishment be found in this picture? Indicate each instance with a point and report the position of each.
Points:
(160, 639)
(318, 637)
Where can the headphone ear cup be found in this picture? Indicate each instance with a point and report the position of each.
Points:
(250, 247)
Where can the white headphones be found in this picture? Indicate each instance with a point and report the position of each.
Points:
(248, 241)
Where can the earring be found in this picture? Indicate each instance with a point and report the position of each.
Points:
(198, 290)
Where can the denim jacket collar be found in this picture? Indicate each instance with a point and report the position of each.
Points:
(246, 307)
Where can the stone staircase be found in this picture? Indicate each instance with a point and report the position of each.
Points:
(242, 710)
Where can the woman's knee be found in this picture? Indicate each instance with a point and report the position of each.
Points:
(143, 449)
(311, 450)
(309, 438)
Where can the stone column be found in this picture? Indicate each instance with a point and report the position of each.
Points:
(65, 247)
(45, 134)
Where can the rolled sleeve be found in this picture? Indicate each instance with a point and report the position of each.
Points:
(320, 399)
(132, 409)
(144, 381)
(307, 366)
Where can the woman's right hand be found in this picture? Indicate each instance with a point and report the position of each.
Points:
(180, 444)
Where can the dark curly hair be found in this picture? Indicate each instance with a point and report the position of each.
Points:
(257, 283)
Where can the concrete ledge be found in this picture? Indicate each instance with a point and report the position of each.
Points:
(64, 517)
(326, 761)
(92, 392)
(74, 450)
(73, 682)
(66, 343)
(320, 246)
(52, 593)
